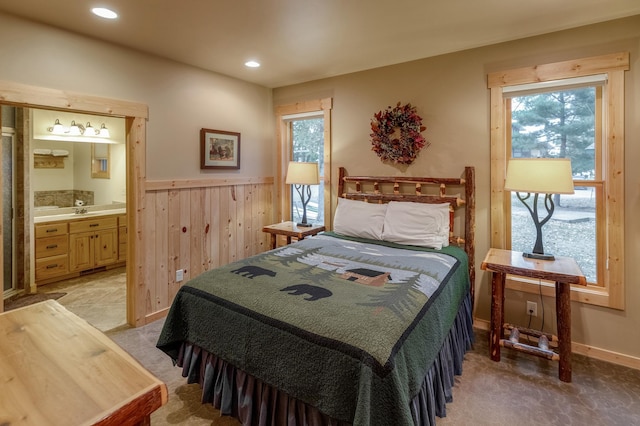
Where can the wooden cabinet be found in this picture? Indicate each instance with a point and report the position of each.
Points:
(51, 251)
(93, 243)
(67, 248)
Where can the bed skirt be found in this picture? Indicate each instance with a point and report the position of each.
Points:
(253, 402)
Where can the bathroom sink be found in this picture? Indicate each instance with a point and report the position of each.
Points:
(68, 216)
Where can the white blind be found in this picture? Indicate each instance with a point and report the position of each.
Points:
(554, 85)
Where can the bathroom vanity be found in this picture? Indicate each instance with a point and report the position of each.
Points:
(70, 245)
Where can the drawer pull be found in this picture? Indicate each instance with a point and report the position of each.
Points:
(92, 225)
(52, 230)
(52, 246)
(55, 265)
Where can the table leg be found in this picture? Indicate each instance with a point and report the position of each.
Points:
(146, 421)
(273, 241)
(563, 311)
(497, 314)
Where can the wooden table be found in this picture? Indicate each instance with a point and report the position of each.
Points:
(56, 369)
(563, 271)
(290, 229)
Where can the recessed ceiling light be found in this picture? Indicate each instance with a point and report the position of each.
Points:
(104, 13)
(252, 64)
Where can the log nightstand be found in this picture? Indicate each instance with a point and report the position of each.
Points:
(290, 229)
(563, 271)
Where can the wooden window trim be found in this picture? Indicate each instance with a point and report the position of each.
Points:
(611, 293)
(283, 136)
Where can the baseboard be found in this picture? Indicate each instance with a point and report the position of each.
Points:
(162, 313)
(586, 350)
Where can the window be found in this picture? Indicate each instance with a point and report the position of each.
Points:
(574, 110)
(304, 135)
(307, 139)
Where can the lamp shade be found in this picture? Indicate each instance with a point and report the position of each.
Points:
(74, 129)
(302, 173)
(539, 175)
(58, 128)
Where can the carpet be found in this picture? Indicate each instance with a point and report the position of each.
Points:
(30, 299)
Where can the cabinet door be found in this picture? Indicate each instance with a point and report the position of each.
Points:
(106, 247)
(81, 251)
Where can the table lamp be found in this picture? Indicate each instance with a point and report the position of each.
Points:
(301, 175)
(539, 176)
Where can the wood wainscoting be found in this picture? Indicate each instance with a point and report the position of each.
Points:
(198, 225)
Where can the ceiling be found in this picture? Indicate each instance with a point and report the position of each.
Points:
(303, 40)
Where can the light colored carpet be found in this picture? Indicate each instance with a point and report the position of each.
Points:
(520, 390)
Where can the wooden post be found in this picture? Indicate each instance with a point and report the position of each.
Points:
(497, 314)
(563, 310)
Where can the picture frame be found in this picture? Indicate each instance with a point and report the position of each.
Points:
(219, 149)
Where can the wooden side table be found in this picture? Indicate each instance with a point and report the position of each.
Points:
(563, 271)
(290, 229)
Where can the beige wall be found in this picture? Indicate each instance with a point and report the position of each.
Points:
(181, 99)
(449, 91)
(191, 219)
(451, 95)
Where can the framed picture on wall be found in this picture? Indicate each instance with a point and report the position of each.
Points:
(219, 149)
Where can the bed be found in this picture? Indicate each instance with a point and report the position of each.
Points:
(365, 325)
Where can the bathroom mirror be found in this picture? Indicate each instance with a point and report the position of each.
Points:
(100, 161)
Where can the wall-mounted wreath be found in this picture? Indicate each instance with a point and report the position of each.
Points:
(396, 134)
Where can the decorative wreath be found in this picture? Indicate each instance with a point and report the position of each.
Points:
(396, 134)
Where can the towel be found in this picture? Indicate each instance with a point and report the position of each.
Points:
(42, 151)
(59, 152)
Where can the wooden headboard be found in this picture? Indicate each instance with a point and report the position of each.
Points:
(458, 192)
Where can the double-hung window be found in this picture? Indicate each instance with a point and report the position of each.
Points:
(575, 110)
(304, 134)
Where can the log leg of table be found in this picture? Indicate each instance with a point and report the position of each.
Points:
(273, 241)
(497, 314)
(288, 239)
(146, 421)
(563, 311)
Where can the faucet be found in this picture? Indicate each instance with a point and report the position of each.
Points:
(81, 210)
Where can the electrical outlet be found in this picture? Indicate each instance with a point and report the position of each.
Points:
(532, 308)
(179, 275)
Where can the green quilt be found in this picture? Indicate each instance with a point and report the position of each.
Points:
(343, 324)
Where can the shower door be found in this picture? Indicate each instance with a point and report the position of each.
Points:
(8, 202)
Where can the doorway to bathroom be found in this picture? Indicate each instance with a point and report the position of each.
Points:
(55, 173)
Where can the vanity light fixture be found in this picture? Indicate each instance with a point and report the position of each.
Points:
(79, 130)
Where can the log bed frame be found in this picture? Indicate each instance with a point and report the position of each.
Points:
(382, 189)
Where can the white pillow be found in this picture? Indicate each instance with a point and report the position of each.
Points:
(418, 224)
(359, 219)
